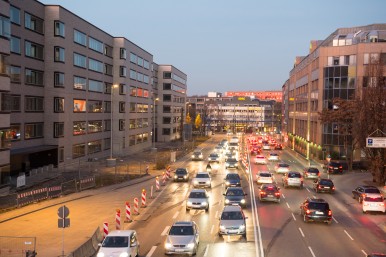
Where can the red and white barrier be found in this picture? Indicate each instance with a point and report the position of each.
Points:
(118, 219)
(157, 183)
(105, 229)
(128, 212)
(168, 172)
(143, 198)
(136, 212)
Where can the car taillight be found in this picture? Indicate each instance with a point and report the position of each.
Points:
(382, 204)
(301, 179)
(319, 187)
(277, 193)
(262, 193)
(308, 211)
(340, 167)
(329, 212)
(333, 188)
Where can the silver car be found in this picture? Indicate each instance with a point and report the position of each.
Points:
(232, 221)
(182, 238)
(202, 179)
(292, 178)
(198, 199)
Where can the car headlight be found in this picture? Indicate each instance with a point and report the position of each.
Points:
(168, 245)
(191, 245)
(124, 255)
(242, 201)
(226, 164)
(192, 156)
(189, 202)
(227, 183)
(100, 254)
(195, 182)
(200, 156)
(204, 203)
(222, 227)
(242, 227)
(175, 176)
(185, 176)
(226, 201)
(207, 182)
(236, 164)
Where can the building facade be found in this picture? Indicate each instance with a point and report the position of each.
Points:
(262, 95)
(334, 67)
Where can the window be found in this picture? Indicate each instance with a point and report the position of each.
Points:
(122, 71)
(5, 27)
(107, 125)
(80, 83)
(33, 23)
(15, 103)
(78, 150)
(132, 107)
(58, 104)
(167, 98)
(166, 131)
(59, 29)
(79, 105)
(80, 60)
(145, 122)
(122, 89)
(4, 67)
(133, 74)
(58, 79)
(96, 86)
(107, 106)
(146, 64)
(34, 104)
(5, 103)
(59, 54)
(95, 65)
(15, 132)
(15, 45)
(34, 50)
(94, 146)
(166, 120)
(34, 77)
(121, 107)
(132, 124)
(146, 79)
(15, 74)
(95, 126)
(108, 69)
(133, 91)
(95, 45)
(108, 51)
(167, 86)
(94, 106)
(133, 58)
(140, 61)
(5, 139)
(139, 76)
(79, 128)
(33, 130)
(122, 53)
(121, 125)
(58, 129)
(167, 75)
(80, 38)
(14, 14)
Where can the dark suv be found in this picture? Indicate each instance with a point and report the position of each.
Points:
(324, 185)
(316, 210)
(360, 192)
(232, 180)
(181, 174)
(334, 167)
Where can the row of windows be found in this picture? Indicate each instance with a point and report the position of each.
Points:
(138, 139)
(139, 76)
(31, 131)
(137, 60)
(31, 22)
(168, 131)
(138, 123)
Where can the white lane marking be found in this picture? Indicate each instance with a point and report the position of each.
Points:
(335, 219)
(151, 251)
(301, 232)
(211, 230)
(314, 196)
(293, 216)
(312, 252)
(176, 215)
(364, 252)
(216, 215)
(206, 250)
(348, 235)
(164, 233)
(283, 196)
(308, 189)
(288, 206)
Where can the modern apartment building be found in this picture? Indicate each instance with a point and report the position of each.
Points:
(334, 67)
(71, 91)
(262, 95)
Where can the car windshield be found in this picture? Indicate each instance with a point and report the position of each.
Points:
(197, 153)
(283, 165)
(213, 155)
(372, 190)
(260, 157)
(318, 206)
(266, 175)
(231, 215)
(326, 182)
(273, 154)
(181, 231)
(180, 171)
(235, 192)
(313, 170)
(293, 175)
(231, 160)
(373, 199)
(270, 189)
(233, 176)
(116, 241)
(197, 195)
(202, 175)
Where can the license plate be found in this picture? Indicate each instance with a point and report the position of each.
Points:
(270, 195)
(179, 250)
(335, 168)
(232, 231)
(318, 212)
(326, 187)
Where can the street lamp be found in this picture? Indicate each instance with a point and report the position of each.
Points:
(155, 99)
(111, 161)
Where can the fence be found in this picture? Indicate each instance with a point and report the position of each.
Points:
(90, 247)
(17, 246)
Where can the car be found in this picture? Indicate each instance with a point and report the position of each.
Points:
(334, 167)
(278, 147)
(224, 144)
(260, 159)
(374, 203)
(232, 221)
(316, 209)
(230, 155)
(214, 157)
(361, 191)
(202, 179)
(256, 150)
(232, 180)
(235, 195)
(182, 238)
(219, 149)
(292, 178)
(269, 192)
(323, 185)
(198, 199)
(273, 157)
(197, 156)
(229, 133)
(233, 145)
(181, 174)
(311, 172)
(119, 243)
(231, 163)
(264, 177)
(266, 147)
(282, 168)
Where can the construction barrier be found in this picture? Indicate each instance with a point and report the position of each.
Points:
(157, 183)
(54, 191)
(118, 219)
(168, 172)
(31, 196)
(128, 212)
(136, 212)
(143, 198)
(87, 183)
(105, 229)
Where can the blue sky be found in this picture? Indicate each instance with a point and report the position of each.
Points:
(226, 45)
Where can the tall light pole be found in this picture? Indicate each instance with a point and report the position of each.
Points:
(111, 161)
(155, 99)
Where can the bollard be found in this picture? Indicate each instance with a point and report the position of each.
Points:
(128, 212)
(143, 198)
(118, 219)
(136, 206)
(151, 192)
(168, 172)
(105, 229)
(157, 183)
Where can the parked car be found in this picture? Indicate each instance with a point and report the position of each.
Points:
(373, 203)
(232, 221)
(197, 156)
(316, 210)
(269, 192)
(311, 172)
(182, 238)
(324, 185)
(181, 174)
(264, 177)
(292, 178)
(232, 180)
(202, 179)
(334, 167)
(282, 168)
(119, 243)
(260, 159)
(197, 199)
(235, 195)
(360, 192)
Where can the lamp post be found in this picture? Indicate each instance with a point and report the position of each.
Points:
(155, 99)
(111, 161)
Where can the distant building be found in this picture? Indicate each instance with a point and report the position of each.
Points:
(262, 95)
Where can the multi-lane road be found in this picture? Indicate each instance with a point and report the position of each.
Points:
(273, 229)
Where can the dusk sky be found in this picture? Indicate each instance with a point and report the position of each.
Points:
(226, 45)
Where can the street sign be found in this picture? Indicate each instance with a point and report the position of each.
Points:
(63, 212)
(63, 223)
(376, 142)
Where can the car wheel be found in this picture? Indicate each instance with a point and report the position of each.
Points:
(187, 209)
